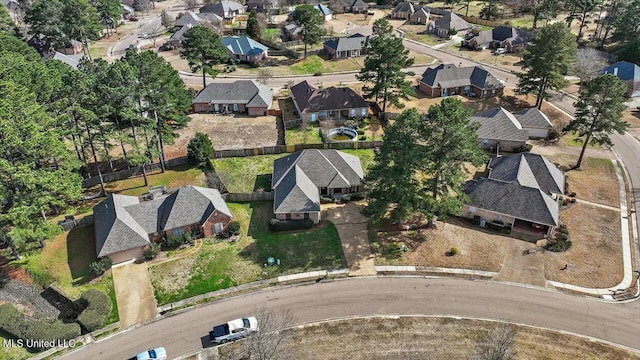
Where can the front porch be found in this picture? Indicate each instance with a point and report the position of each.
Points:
(530, 231)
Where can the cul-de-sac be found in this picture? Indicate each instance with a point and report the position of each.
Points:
(319, 179)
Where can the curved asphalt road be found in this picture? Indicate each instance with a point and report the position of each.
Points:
(188, 331)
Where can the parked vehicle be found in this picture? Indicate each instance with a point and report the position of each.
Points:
(158, 353)
(500, 51)
(233, 330)
(166, 47)
(133, 18)
(131, 48)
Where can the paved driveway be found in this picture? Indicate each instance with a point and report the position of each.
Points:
(134, 293)
(522, 267)
(352, 229)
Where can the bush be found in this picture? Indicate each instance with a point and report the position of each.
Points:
(453, 251)
(97, 307)
(345, 198)
(151, 252)
(564, 230)
(101, 265)
(362, 137)
(558, 245)
(317, 73)
(286, 225)
(357, 196)
(200, 148)
(325, 200)
(563, 236)
(360, 132)
(20, 326)
(188, 238)
(234, 228)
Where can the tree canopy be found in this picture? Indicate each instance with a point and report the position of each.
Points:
(310, 20)
(203, 49)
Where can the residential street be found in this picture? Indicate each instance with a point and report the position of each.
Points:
(179, 334)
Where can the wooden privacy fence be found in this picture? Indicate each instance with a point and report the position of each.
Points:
(72, 224)
(248, 197)
(133, 171)
(476, 20)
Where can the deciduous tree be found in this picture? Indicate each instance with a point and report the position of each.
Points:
(599, 112)
(498, 344)
(203, 49)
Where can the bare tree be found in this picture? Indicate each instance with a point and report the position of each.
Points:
(374, 127)
(271, 342)
(264, 75)
(498, 344)
(588, 64)
(167, 20)
(304, 127)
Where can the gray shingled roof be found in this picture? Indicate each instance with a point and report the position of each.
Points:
(499, 124)
(420, 13)
(406, 6)
(297, 177)
(221, 8)
(347, 43)
(191, 18)
(248, 92)
(179, 35)
(122, 223)
(452, 21)
(71, 60)
(548, 177)
(533, 118)
(309, 99)
(449, 75)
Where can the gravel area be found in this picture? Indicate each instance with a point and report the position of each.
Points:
(28, 299)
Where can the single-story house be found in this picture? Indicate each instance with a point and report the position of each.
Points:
(346, 47)
(242, 96)
(244, 48)
(124, 226)
(227, 10)
(500, 131)
(420, 16)
(520, 193)
(327, 14)
(512, 39)
(73, 47)
(194, 19)
(535, 122)
(300, 179)
(627, 72)
(404, 10)
(353, 6)
(315, 104)
(273, 6)
(127, 11)
(71, 60)
(448, 21)
(447, 79)
(293, 31)
(178, 36)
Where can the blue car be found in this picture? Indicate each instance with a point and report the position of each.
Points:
(158, 353)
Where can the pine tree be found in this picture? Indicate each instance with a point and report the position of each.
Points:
(310, 20)
(203, 49)
(253, 28)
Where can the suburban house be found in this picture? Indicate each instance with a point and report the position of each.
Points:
(353, 6)
(226, 9)
(300, 179)
(242, 96)
(520, 193)
(124, 226)
(327, 14)
(244, 48)
(421, 16)
(404, 10)
(501, 130)
(629, 73)
(448, 21)
(73, 47)
(293, 31)
(329, 103)
(447, 79)
(178, 36)
(194, 19)
(273, 6)
(71, 60)
(507, 37)
(346, 47)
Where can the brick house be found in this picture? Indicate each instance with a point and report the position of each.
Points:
(447, 21)
(300, 179)
(420, 16)
(520, 193)
(507, 37)
(242, 96)
(124, 226)
(404, 10)
(500, 130)
(346, 47)
(447, 79)
(244, 48)
(227, 10)
(353, 6)
(315, 104)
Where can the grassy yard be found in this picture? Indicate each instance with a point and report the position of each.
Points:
(574, 140)
(296, 136)
(173, 178)
(66, 260)
(315, 64)
(221, 265)
(246, 174)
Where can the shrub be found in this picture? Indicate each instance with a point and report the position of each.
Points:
(308, 223)
(317, 73)
(188, 238)
(357, 196)
(97, 307)
(558, 245)
(234, 228)
(362, 137)
(101, 265)
(564, 230)
(325, 200)
(286, 225)
(20, 326)
(360, 132)
(453, 251)
(345, 198)
(173, 241)
(151, 252)
(563, 236)
(200, 148)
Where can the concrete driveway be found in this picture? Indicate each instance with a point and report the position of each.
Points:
(523, 263)
(352, 229)
(134, 293)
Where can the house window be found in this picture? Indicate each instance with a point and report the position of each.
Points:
(235, 107)
(287, 216)
(178, 231)
(337, 191)
(217, 227)
(323, 191)
(306, 216)
(364, 112)
(352, 112)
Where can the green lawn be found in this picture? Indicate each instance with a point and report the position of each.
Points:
(13, 352)
(221, 265)
(314, 64)
(246, 174)
(66, 260)
(296, 136)
(173, 178)
(365, 155)
(574, 140)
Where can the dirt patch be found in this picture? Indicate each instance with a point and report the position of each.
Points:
(172, 276)
(477, 249)
(227, 132)
(13, 272)
(595, 258)
(434, 338)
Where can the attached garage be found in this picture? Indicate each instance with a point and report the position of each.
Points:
(126, 255)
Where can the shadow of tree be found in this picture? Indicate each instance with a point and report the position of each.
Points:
(81, 251)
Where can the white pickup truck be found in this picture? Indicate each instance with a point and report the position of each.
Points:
(233, 330)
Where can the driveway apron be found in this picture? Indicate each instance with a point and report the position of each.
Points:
(136, 303)
(352, 229)
(523, 263)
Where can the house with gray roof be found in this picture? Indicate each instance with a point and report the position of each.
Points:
(420, 16)
(627, 72)
(71, 60)
(510, 38)
(448, 21)
(124, 226)
(315, 104)
(300, 179)
(520, 193)
(353, 6)
(242, 96)
(244, 48)
(293, 31)
(448, 79)
(195, 19)
(404, 10)
(500, 130)
(535, 122)
(346, 47)
(226, 9)
(178, 37)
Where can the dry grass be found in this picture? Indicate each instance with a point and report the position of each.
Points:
(511, 62)
(595, 258)
(478, 249)
(434, 338)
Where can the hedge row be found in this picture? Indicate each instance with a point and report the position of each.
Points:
(20, 326)
(284, 225)
(97, 306)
